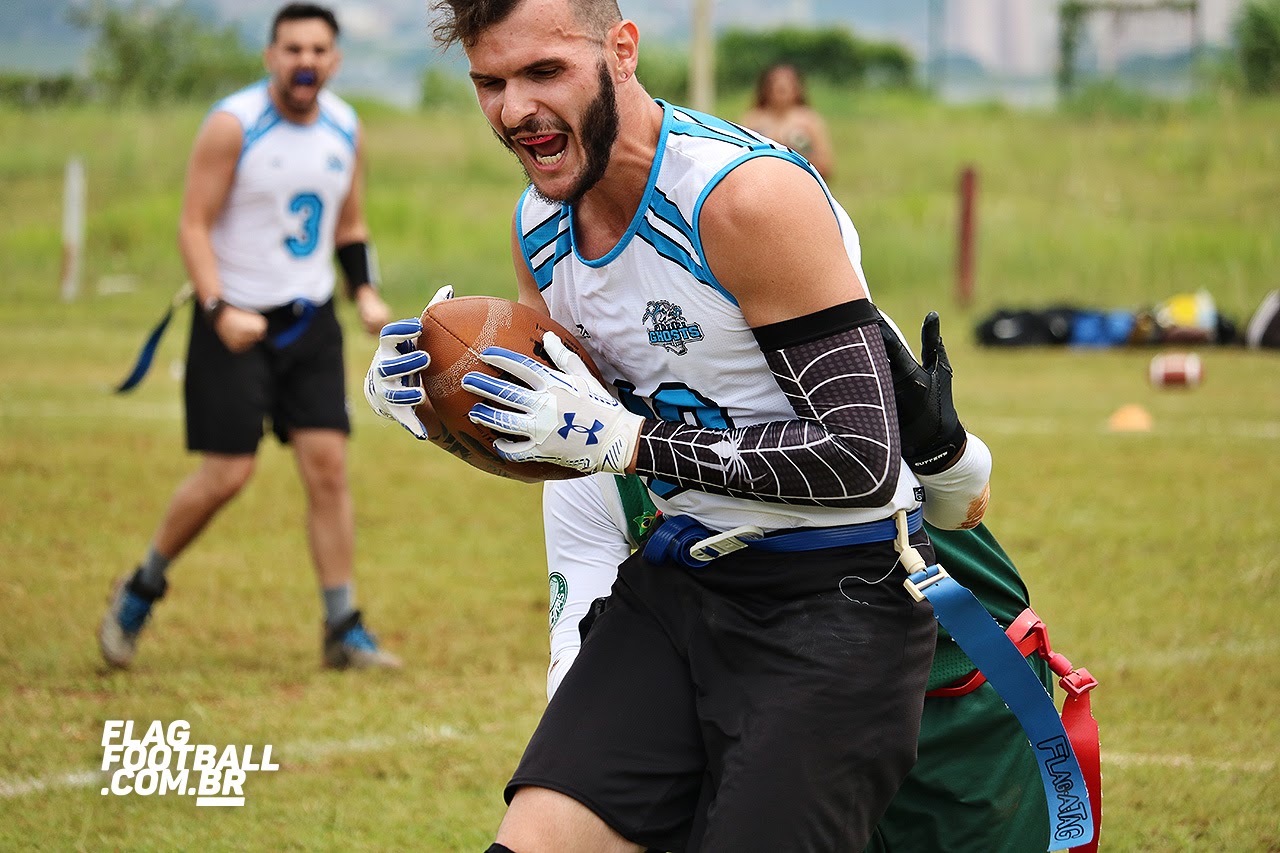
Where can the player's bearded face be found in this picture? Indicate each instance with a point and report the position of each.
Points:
(596, 133)
(301, 59)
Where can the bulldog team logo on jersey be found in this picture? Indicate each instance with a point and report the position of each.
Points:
(668, 328)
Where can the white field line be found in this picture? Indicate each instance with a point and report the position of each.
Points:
(125, 409)
(300, 751)
(1196, 655)
(10, 788)
(114, 408)
(1185, 762)
(310, 750)
(1214, 429)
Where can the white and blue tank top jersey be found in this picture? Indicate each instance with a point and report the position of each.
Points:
(663, 331)
(274, 237)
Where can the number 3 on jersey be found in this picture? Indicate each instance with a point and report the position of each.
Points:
(678, 403)
(310, 207)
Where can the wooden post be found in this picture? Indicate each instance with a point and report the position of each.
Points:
(73, 198)
(967, 226)
(702, 63)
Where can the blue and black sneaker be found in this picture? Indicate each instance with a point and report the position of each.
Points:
(128, 610)
(347, 645)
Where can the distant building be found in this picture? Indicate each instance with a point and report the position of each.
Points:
(1014, 44)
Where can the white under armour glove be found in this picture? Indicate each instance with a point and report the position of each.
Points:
(392, 385)
(564, 416)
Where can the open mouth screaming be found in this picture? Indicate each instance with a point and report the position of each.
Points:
(547, 149)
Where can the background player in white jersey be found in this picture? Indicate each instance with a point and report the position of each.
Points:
(273, 193)
(770, 698)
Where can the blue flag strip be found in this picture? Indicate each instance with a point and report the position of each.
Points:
(996, 656)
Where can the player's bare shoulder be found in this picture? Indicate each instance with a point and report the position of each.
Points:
(771, 238)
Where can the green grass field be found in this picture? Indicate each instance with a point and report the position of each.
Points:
(1151, 556)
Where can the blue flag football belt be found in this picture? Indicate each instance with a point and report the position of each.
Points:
(303, 312)
(682, 540)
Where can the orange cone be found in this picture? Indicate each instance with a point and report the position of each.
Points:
(1130, 418)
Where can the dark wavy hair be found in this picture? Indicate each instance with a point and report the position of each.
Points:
(463, 21)
(762, 83)
(303, 12)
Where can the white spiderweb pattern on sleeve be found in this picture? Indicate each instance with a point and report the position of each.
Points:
(842, 450)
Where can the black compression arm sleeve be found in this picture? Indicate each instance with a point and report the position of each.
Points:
(843, 447)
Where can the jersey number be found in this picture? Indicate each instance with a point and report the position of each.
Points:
(311, 207)
(677, 403)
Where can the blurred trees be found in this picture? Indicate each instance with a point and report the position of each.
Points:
(832, 54)
(1258, 46)
(154, 53)
(442, 89)
(30, 90)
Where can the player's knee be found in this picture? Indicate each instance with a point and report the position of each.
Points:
(327, 478)
(540, 820)
(323, 465)
(224, 476)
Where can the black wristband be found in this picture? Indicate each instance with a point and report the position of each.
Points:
(359, 266)
(213, 308)
(940, 456)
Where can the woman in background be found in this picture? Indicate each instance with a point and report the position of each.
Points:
(782, 113)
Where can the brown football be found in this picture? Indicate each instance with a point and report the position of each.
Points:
(454, 332)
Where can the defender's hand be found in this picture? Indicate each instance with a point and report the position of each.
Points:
(392, 385)
(374, 313)
(239, 329)
(932, 435)
(563, 416)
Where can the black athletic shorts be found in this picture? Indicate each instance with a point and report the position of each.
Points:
(298, 385)
(763, 702)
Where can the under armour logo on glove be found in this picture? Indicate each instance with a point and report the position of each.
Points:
(570, 426)
(542, 414)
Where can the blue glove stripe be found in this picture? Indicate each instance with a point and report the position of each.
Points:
(410, 363)
(404, 397)
(516, 357)
(528, 370)
(500, 390)
(402, 327)
(502, 420)
(525, 368)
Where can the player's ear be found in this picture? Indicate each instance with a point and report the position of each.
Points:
(624, 45)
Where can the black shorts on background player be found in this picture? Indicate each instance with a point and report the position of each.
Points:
(298, 385)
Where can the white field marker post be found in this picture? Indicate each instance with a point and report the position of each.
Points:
(73, 202)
